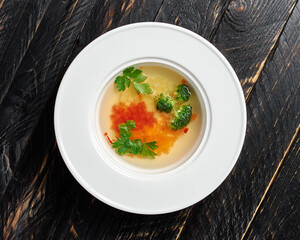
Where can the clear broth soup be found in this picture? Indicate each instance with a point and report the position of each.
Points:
(176, 146)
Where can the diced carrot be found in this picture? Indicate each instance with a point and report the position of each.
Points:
(148, 128)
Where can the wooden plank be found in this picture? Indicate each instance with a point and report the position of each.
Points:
(273, 121)
(278, 216)
(33, 73)
(280, 209)
(248, 34)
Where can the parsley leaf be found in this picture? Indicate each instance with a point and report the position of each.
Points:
(134, 76)
(147, 152)
(124, 129)
(143, 88)
(130, 124)
(122, 150)
(152, 145)
(125, 145)
(140, 78)
(119, 142)
(120, 82)
(128, 70)
(137, 147)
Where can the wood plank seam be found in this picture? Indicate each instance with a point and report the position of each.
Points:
(214, 32)
(1, 4)
(159, 9)
(270, 55)
(184, 222)
(272, 179)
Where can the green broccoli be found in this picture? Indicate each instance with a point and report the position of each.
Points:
(164, 103)
(182, 93)
(182, 117)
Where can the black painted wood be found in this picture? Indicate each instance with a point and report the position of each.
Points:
(248, 34)
(278, 217)
(19, 38)
(11, 12)
(202, 17)
(31, 74)
(41, 200)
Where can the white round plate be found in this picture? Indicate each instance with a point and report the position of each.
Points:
(155, 193)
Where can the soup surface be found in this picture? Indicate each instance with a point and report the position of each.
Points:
(174, 146)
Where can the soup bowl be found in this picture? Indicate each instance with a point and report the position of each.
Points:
(164, 186)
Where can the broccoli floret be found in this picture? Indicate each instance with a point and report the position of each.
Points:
(182, 117)
(182, 93)
(164, 103)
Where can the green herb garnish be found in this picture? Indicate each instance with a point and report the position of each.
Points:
(147, 150)
(125, 145)
(134, 76)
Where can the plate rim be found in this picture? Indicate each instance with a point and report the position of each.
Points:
(236, 82)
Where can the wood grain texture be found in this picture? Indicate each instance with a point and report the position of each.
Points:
(248, 34)
(279, 214)
(202, 17)
(10, 59)
(34, 69)
(27, 192)
(11, 12)
(111, 14)
(279, 209)
(14, 36)
(273, 120)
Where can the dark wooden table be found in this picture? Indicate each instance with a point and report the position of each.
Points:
(39, 199)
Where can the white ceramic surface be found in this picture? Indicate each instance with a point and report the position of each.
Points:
(88, 158)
